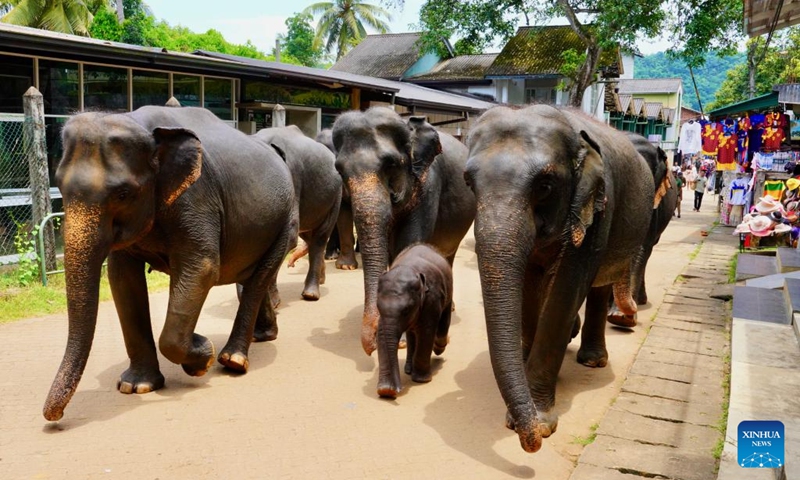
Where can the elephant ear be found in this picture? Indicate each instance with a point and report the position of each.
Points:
(425, 145)
(663, 178)
(178, 160)
(589, 195)
(279, 151)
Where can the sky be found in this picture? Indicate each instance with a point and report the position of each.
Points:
(261, 20)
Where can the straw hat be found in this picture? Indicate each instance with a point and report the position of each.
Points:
(781, 228)
(767, 204)
(792, 183)
(761, 226)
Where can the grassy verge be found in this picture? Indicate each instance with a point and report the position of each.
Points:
(36, 300)
(696, 251)
(579, 440)
(722, 424)
(732, 267)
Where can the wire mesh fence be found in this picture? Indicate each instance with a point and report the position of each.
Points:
(15, 196)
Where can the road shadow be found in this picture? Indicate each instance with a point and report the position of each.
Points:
(476, 436)
(345, 342)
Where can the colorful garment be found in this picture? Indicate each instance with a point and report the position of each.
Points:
(772, 138)
(755, 138)
(774, 188)
(710, 137)
(738, 190)
(726, 150)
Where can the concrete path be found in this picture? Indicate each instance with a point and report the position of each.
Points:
(665, 422)
(307, 409)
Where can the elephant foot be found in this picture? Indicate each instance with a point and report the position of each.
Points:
(593, 357)
(346, 262)
(621, 320)
(386, 390)
(439, 346)
(274, 296)
(200, 357)
(332, 255)
(311, 293)
(133, 381)
(641, 298)
(421, 377)
(237, 361)
(266, 335)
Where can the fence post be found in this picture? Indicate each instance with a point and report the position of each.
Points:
(278, 116)
(34, 134)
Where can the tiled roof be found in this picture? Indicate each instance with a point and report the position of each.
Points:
(652, 109)
(383, 56)
(649, 85)
(788, 92)
(625, 103)
(463, 67)
(537, 51)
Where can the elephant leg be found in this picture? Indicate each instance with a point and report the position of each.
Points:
(126, 276)
(333, 246)
(442, 330)
(421, 369)
(316, 247)
(347, 255)
(568, 289)
(255, 298)
(411, 342)
(189, 286)
(593, 351)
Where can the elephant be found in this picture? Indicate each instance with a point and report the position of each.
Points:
(415, 297)
(182, 191)
(405, 186)
(666, 198)
(317, 195)
(342, 238)
(564, 202)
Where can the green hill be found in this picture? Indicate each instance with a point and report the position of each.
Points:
(708, 78)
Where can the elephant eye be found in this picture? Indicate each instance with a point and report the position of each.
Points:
(542, 191)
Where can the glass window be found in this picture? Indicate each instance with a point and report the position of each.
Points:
(16, 77)
(105, 88)
(150, 88)
(186, 89)
(59, 84)
(52, 131)
(217, 97)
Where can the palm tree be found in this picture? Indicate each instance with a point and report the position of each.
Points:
(66, 16)
(341, 23)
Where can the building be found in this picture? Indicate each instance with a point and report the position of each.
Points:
(650, 107)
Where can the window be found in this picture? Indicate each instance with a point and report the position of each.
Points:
(217, 97)
(16, 77)
(59, 84)
(186, 89)
(150, 88)
(540, 95)
(105, 88)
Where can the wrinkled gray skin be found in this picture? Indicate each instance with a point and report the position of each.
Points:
(345, 240)
(563, 208)
(180, 190)
(317, 195)
(666, 188)
(405, 183)
(415, 296)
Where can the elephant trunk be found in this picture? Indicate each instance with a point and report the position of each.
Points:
(389, 384)
(372, 215)
(505, 235)
(85, 249)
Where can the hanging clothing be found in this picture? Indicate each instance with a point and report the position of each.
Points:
(755, 138)
(726, 150)
(710, 137)
(763, 161)
(689, 142)
(738, 190)
(772, 138)
(742, 139)
(774, 188)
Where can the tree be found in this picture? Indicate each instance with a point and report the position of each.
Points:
(341, 23)
(65, 16)
(696, 27)
(299, 42)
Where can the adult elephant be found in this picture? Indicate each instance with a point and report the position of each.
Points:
(317, 195)
(405, 186)
(666, 198)
(342, 237)
(180, 190)
(563, 206)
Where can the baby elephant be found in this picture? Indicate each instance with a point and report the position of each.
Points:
(415, 296)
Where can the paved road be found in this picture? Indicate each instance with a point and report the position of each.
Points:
(307, 408)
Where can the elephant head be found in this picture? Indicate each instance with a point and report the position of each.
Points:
(115, 177)
(383, 162)
(538, 184)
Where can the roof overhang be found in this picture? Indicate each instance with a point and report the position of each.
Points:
(760, 16)
(757, 103)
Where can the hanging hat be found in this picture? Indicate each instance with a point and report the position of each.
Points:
(781, 228)
(792, 183)
(776, 216)
(768, 204)
(761, 226)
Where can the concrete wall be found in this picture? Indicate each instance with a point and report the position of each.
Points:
(627, 66)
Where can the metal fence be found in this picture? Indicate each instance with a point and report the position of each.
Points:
(15, 197)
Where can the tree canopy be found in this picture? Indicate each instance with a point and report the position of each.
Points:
(341, 23)
(299, 41)
(65, 16)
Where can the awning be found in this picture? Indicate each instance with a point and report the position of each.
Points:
(757, 103)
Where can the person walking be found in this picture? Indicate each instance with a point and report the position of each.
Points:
(679, 184)
(699, 189)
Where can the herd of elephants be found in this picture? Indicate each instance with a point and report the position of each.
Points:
(566, 210)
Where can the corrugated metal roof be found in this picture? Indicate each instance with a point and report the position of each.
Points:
(788, 92)
(537, 51)
(669, 114)
(383, 56)
(463, 67)
(757, 103)
(652, 109)
(625, 103)
(638, 103)
(650, 85)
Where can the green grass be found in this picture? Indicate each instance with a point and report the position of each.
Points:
(579, 440)
(681, 279)
(722, 424)
(732, 268)
(696, 251)
(36, 300)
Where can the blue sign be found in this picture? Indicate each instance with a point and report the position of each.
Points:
(761, 444)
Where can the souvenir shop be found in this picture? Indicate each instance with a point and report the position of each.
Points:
(747, 154)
